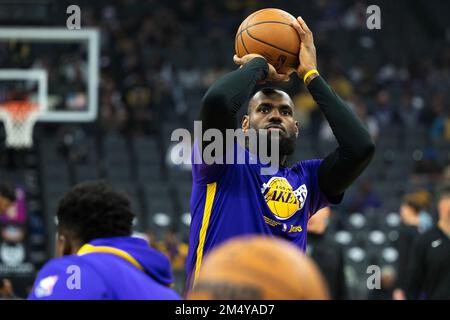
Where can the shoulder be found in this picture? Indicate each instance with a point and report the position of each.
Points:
(430, 235)
(425, 240)
(207, 169)
(60, 265)
(307, 166)
(307, 169)
(68, 277)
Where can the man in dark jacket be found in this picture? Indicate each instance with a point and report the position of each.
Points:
(327, 253)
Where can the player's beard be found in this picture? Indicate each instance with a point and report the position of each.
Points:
(286, 143)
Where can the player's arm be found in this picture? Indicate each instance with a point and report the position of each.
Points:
(356, 148)
(226, 96)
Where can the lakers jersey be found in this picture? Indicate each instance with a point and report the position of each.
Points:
(229, 200)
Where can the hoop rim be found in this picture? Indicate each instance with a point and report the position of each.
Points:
(19, 110)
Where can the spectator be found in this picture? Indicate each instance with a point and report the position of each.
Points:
(384, 109)
(152, 239)
(428, 167)
(364, 198)
(440, 127)
(408, 232)
(6, 290)
(7, 197)
(327, 253)
(16, 213)
(409, 111)
(429, 264)
(94, 233)
(174, 249)
(434, 111)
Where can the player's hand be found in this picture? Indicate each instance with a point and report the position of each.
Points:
(273, 75)
(307, 55)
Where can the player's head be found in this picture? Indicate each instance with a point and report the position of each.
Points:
(273, 109)
(444, 203)
(89, 211)
(258, 268)
(7, 196)
(410, 209)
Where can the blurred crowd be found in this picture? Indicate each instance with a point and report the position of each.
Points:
(153, 52)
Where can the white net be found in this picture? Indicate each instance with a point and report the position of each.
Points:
(19, 121)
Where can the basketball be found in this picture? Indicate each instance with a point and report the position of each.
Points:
(268, 32)
(258, 268)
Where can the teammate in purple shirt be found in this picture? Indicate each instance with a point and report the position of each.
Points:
(228, 200)
(98, 259)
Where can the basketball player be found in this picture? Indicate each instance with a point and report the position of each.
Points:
(98, 259)
(231, 200)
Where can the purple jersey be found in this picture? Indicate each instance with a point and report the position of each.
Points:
(235, 199)
(95, 275)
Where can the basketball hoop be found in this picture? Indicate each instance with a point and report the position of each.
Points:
(19, 118)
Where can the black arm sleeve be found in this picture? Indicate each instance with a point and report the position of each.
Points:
(340, 168)
(227, 95)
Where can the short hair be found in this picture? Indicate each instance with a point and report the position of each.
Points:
(7, 191)
(410, 201)
(267, 90)
(92, 210)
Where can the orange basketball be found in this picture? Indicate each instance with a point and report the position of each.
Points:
(269, 33)
(260, 268)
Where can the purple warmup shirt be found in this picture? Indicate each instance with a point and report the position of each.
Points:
(106, 275)
(236, 199)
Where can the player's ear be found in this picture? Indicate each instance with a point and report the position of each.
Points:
(245, 123)
(62, 245)
(297, 129)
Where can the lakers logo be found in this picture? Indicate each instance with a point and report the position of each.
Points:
(282, 200)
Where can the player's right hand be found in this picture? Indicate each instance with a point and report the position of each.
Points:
(273, 75)
(307, 55)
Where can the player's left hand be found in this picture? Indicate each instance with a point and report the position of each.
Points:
(273, 75)
(307, 55)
